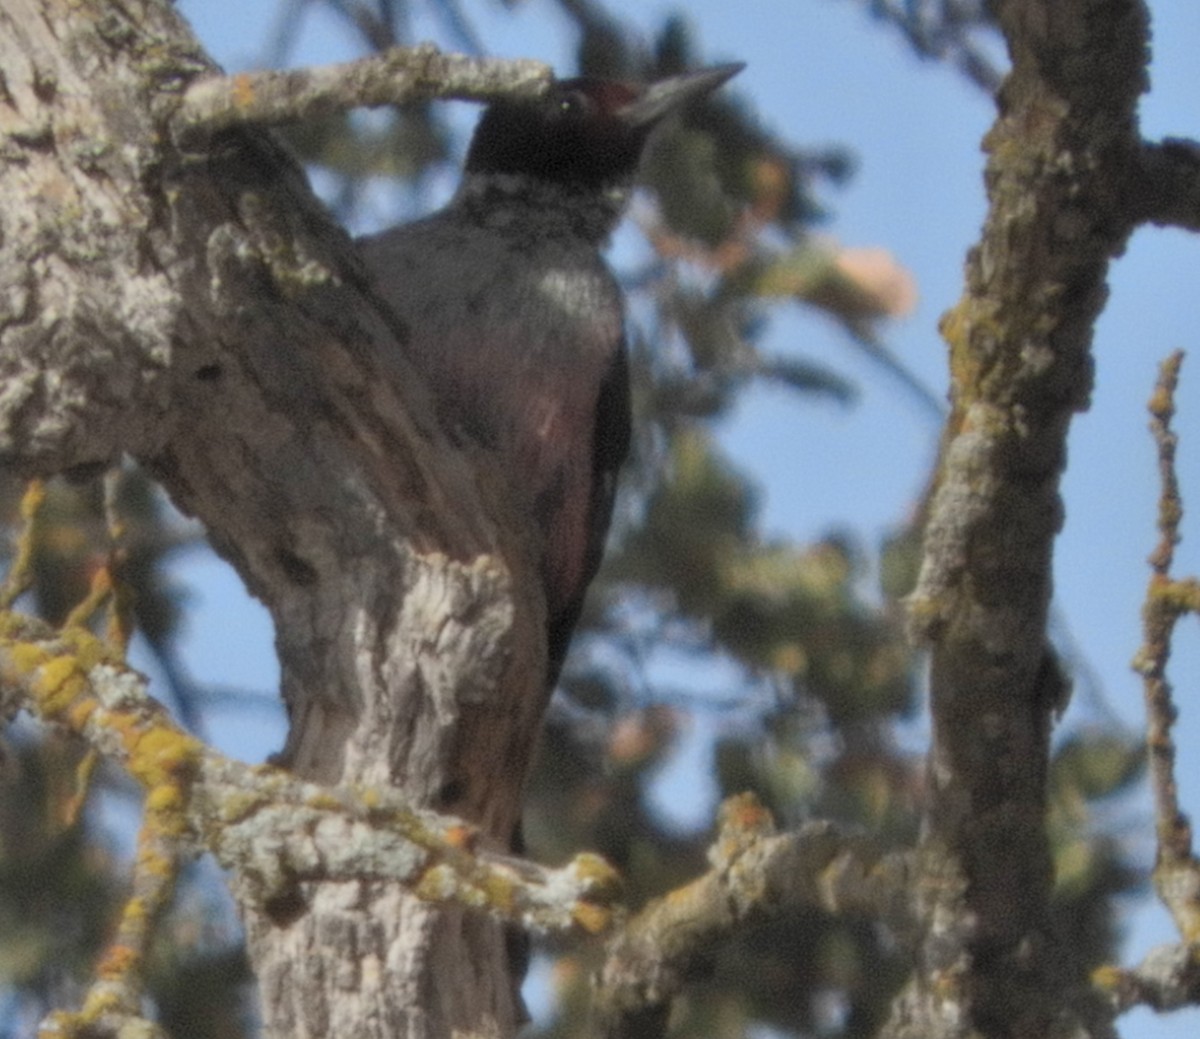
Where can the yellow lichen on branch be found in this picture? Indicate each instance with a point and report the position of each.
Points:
(263, 823)
(77, 681)
(58, 672)
(74, 680)
(20, 573)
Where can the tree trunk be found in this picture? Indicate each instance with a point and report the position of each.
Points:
(194, 307)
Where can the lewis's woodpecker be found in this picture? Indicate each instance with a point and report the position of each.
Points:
(514, 319)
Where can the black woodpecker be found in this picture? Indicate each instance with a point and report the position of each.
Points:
(516, 322)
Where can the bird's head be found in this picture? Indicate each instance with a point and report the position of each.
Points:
(582, 133)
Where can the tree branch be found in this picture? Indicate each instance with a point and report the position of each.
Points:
(1062, 154)
(1165, 189)
(1167, 979)
(1168, 598)
(397, 76)
(270, 829)
(756, 874)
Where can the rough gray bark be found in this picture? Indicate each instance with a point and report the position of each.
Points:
(195, 308)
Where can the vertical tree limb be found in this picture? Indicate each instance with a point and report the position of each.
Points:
(1059, 160)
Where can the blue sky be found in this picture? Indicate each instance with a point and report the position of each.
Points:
(821, 72)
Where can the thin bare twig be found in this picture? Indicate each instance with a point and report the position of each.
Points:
(1167, 979)
(1176, 872)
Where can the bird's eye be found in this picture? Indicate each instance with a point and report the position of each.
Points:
(574, 103)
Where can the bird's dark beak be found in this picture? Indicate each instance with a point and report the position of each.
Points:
(668, 95)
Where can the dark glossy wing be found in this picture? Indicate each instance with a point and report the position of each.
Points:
(611, 433)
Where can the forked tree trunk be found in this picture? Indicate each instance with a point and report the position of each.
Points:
(194, 307)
